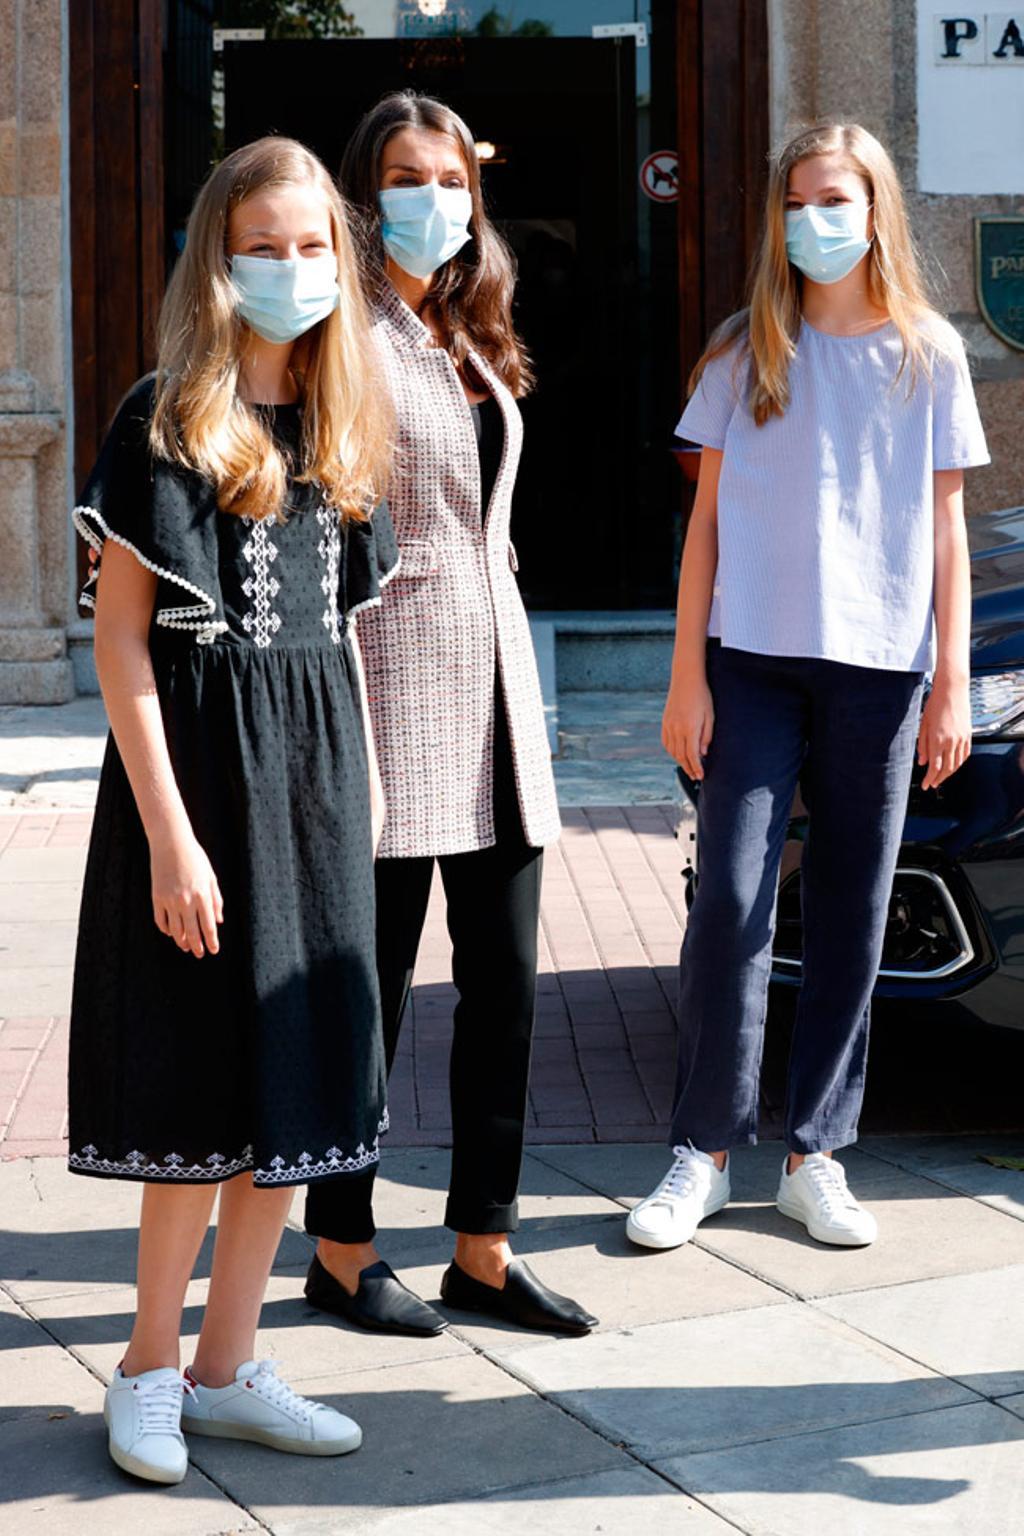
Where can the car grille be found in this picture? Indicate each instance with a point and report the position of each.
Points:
(925, 936)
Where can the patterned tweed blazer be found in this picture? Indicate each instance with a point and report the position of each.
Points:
(451, 614)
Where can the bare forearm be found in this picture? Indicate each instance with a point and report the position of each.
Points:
(952, 599)
(696, 586)
(129, 692)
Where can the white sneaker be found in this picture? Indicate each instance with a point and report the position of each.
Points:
(692, 1189)
(258, 1406)
(143, 1416)
(817, 1194)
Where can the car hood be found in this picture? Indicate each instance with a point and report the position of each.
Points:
(997, 589)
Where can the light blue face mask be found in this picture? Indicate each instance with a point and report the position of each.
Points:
(827, 243)
(423, 227)
(281, 300)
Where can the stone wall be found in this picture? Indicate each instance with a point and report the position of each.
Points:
(859, 62)
(34, 568)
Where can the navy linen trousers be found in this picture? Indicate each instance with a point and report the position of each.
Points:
(847, 735)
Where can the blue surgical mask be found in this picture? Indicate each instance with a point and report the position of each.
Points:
(423, 227)
(827, 243)
(281, 300)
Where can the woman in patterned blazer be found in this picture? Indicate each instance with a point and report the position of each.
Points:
(457, 711)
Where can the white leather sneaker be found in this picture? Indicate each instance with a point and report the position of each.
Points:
(692, 1189)
(258, 1406)
(817, 1194)
(143, 1418)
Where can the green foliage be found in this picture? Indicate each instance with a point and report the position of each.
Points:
(1015, 1164)
(493, 23)
(291, 18)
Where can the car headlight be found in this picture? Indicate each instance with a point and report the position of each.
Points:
(997, 703)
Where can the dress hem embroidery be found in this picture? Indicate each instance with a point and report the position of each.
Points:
(216, 1167)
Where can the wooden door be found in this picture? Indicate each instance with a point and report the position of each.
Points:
(117, 226)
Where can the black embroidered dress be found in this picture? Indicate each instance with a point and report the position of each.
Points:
(268, 1055)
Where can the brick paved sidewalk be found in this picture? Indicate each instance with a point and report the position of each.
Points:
(604, 1053)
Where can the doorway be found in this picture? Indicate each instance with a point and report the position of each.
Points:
(560, 114)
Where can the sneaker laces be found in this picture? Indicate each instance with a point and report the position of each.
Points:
(279, 1394)
(159, 1405)
(684, 1176)
(829, 1180)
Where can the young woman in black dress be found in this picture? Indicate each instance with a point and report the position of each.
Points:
(226, 969)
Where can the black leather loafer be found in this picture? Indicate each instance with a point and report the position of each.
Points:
(523, 1299)
(382, 1304)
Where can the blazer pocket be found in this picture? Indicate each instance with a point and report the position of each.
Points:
(419, 558)
(513, 558)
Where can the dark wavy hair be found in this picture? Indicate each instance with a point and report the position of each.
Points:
(472, 292)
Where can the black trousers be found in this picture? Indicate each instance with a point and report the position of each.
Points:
(493, 908)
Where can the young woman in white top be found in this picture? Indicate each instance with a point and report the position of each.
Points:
(825, 573)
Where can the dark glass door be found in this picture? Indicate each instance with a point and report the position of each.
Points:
(562, 186)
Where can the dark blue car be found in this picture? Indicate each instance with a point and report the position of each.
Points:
(955, 935)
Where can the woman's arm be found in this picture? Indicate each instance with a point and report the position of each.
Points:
(689, 716)
(944, 741)
(187, 903)
(377, 806)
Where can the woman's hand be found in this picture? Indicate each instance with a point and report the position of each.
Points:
(688, 724)
(187, 904)
(944, 740)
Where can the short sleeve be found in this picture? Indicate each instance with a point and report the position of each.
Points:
(162, 513)
(372, 558)
(711, 406)
(958, 438)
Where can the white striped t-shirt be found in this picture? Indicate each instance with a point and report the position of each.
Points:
(826, 514)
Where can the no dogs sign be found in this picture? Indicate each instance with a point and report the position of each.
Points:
(659, 176)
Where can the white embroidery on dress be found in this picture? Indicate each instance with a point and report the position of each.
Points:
(94, 529)
(261, 622)
(329, 550)
(216, 1167)
(373, 602)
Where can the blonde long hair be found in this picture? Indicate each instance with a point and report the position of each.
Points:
(200, 421)
(767, 329)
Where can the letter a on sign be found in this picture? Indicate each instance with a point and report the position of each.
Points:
(999, 274)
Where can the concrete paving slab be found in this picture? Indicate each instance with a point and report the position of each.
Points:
(926, 1229)
(29, 945)
(413, 1183)
(59, 1481)
(621, 1284)
(628, 1173)
(712, 1381)
(434, 1432)
(30, 989)
(957, 1162)
(57, 1478)
(955, 1472)
(63, 1234)
(307, 1343)
(1014, 1404)
(970, 1327)
(624, 1173)
(616, 1503)
(25, 902)
(36, 1373)
(42, 866)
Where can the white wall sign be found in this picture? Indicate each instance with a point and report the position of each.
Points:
(970, 99)
(635, 29)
